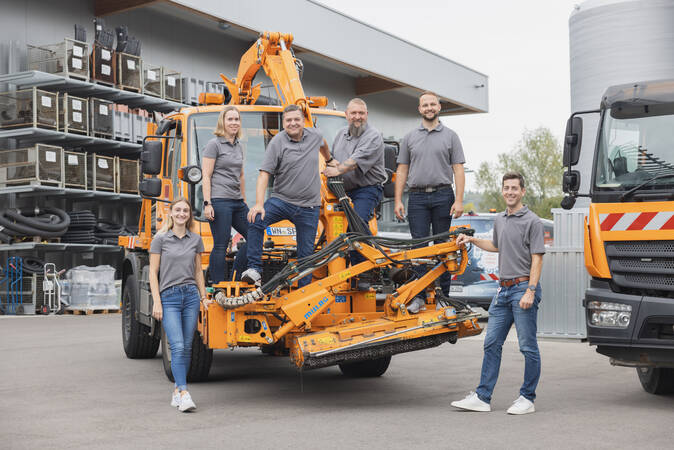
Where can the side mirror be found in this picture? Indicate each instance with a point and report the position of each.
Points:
(568, 202)
(572, 140)
(150, 157)
(165, 125)
(571, 181)
(150, 187)
(391, 165)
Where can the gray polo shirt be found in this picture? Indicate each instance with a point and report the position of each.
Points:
(367, 150)
(176, 265)
(226, 179)
(294, 165)
(517, 236)
(430, 155)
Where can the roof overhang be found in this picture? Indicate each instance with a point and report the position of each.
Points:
(378, 61)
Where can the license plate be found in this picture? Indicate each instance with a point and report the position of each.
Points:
(456, 289)
(280, 231)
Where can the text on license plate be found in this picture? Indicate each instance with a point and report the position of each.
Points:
(281, 231)
(456, 289)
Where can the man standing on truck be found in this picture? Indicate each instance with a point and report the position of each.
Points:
(358, 156)
(430, 159)
(518, 238)
(292, 158)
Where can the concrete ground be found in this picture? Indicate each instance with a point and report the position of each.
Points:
(66, 383)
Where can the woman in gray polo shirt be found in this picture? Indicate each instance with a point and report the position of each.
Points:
(177, 285)
(223, 188)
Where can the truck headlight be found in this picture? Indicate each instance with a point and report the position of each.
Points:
(607, 314)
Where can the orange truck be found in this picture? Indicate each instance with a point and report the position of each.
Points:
(324, 323)
(629, 231)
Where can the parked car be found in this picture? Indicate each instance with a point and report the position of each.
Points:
(478, 284)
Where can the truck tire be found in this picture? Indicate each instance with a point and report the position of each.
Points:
(138, 344)
(658, 381)
(366, 369)
(200, 362)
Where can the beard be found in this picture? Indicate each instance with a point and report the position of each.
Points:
(357, 131)
(431, 119)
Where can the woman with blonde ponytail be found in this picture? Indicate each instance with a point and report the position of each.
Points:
(177, 285)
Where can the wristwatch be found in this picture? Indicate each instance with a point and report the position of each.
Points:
(328, 161)
(531, 288)
(206, 203)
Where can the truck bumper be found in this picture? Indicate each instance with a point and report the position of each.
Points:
(648, 340)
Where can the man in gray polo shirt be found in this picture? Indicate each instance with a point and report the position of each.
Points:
(430, 160)
(292, 158)
(518, 238)
(358, 156)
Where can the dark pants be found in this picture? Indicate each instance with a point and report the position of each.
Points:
(426, 210)
(503, 312)
(365, 199)
(228, 213)
(305, 220)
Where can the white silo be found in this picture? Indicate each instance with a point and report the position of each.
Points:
(614, 42)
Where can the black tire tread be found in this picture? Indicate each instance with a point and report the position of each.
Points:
(366, 369)
(657, 381)
(140, 344)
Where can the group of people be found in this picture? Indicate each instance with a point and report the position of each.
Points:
(430, 164)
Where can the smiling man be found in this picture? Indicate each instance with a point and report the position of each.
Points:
(518, 238)
(292, 158)
(430, 160)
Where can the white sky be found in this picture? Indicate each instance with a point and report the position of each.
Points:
(521, 45)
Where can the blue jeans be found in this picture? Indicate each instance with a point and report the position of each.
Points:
(426, 210)
(305, 220)
(228, 213)
(180, 305)
(505, 310)
(365, 199)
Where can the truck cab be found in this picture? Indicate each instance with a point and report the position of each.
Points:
(629, 231)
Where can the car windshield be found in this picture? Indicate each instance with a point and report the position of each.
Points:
(257, 129)
(634, 149)
(481, 225)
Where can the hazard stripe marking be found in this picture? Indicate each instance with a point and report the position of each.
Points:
(642, 221)
(610, 220)
(625, 221)
(669, 225)
(659, 221)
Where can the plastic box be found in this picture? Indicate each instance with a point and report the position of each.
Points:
(73, 114)
(91, 288)
(121, 126)
(38, 165)
(69, 58)
(191, 88)
(29, 108)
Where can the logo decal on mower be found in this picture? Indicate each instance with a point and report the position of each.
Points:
(315, 308)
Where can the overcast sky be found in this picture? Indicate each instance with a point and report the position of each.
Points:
(521, 45)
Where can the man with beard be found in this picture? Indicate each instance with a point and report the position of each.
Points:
(430, 159)
(358, 156)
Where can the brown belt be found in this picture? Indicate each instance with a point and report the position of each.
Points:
(513, 281)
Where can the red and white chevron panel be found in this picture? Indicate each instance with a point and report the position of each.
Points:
(637, 221)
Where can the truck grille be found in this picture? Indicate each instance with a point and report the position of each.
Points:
(647, 265)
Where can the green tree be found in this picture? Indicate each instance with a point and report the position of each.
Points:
(537, 156)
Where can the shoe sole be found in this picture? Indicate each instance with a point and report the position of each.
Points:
(188, 409)
(249, 280)
(463, 408)
(518, 413)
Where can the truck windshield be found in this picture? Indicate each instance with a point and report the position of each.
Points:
(633, 150)
(257, 129)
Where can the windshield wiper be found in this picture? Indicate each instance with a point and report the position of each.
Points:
(639, 186)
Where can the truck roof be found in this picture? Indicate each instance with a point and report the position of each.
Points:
(639, 93)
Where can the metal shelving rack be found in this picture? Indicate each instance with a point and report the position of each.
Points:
(58, 83)
(51, 191)
(32, 135)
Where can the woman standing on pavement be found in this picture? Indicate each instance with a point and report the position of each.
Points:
(177, 286)
(223, 188)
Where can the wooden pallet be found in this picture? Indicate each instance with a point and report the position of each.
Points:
(87, 312)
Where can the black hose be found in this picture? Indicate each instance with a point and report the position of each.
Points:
(42, 222)
(32, 265)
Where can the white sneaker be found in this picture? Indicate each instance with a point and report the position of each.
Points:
(522, 406)
(472, 403)
(175, 399)
(252, 276)
(186, 403)
(417, 304)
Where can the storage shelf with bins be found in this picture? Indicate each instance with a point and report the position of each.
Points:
(74, 194)
(59, 247)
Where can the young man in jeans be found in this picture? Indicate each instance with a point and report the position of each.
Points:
(518, 238)
(292, 158)
(430, 160)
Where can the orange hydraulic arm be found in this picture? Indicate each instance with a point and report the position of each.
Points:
(273, 53)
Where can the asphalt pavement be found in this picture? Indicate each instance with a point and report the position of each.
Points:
(66, 383)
